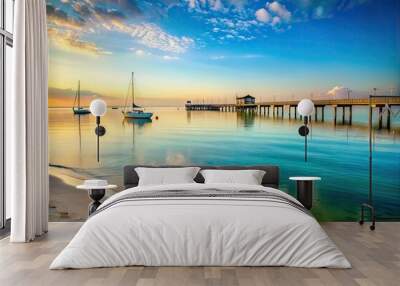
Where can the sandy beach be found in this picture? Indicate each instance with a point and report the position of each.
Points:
(67, 203)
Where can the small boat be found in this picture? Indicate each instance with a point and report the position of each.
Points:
(136, 112)
(78, 109)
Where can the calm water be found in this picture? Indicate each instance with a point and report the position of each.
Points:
(338, 154)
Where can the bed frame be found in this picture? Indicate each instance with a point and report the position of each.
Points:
(270, 179)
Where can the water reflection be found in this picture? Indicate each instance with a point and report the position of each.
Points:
(223, 138)
(246, 119)
(139, 122)
(79, 121)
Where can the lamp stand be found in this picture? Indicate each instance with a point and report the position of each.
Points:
(98, 137)
(303, 131)
(369, 205)
(100, 131)
(305, 138)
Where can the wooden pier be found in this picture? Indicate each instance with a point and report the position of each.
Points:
(277, 108)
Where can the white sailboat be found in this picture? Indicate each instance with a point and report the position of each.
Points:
(78, 109)
(136, 112)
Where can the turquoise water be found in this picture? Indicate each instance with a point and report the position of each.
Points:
(338, 154)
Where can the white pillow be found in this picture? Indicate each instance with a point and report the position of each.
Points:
(247, 177)
(166, 176)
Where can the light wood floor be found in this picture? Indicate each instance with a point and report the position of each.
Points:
(375, 257)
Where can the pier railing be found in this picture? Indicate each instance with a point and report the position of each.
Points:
(383, 100)
(278, 107)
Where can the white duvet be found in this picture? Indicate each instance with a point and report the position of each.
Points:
(193, 231)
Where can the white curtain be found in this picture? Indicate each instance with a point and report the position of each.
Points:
(27, 152)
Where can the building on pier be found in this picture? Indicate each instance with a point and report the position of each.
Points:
(248, 99)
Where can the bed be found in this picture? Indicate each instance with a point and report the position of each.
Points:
(197, 224)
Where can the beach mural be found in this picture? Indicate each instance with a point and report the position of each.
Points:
(171, 72)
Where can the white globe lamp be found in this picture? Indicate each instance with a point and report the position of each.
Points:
(98, 108)
(305, 107)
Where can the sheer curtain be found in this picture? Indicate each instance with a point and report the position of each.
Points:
(27, 152)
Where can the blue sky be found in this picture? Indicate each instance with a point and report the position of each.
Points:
(218, 48)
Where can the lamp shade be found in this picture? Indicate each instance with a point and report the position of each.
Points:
(305, 107)
(98, 107)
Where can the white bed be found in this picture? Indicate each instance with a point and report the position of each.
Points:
(202, 231)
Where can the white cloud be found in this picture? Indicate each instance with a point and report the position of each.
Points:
(192, 4)
(338, 92)
(154, 37)
(70, 41)
(235, 28)
(202, 5)
(246, 38)
(97, 20)
(216, 5)
(262, 15)
(275, 21)
(238, 4)
(170, 58)
(140, 52)
(280, 10)
(228, 23)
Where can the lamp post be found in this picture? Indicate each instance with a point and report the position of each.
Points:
(98, 108)
(305, 108)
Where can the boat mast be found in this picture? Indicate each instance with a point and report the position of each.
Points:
(79, 94)
(133, 93)
(76, 95)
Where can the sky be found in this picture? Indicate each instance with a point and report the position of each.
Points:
(213, 50)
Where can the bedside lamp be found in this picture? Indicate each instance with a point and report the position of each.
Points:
(98, 108)
(305, 108)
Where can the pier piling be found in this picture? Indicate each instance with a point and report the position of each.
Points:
(334, 114)
(316, 114)
(350, 115)
(343, 114)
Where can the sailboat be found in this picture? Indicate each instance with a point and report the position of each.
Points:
(78, 109)
(136, 112)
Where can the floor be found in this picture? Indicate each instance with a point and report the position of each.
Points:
(375, 257)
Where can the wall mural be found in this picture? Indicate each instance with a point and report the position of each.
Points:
(161, 55)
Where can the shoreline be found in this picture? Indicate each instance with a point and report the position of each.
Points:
(66, 202)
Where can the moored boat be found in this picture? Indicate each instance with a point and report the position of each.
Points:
(135, 112)
(78, 109)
